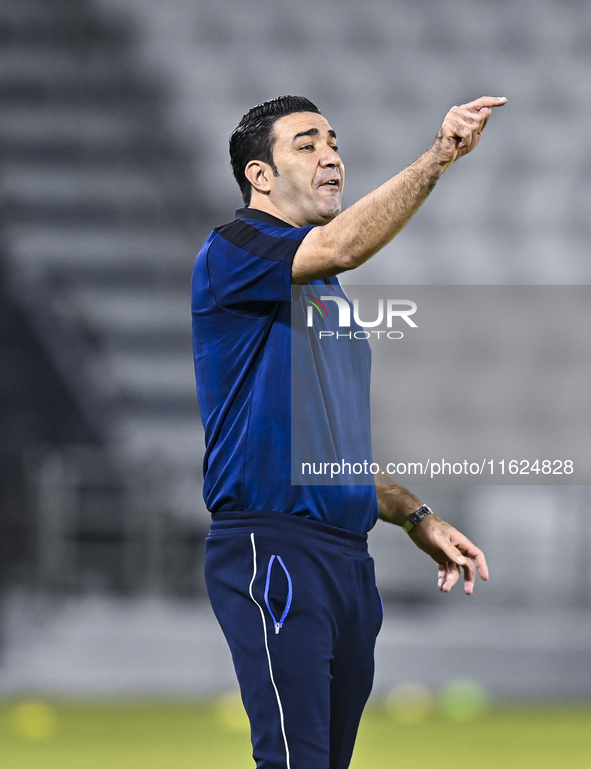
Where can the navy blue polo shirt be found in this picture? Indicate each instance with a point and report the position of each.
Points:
(242, 303)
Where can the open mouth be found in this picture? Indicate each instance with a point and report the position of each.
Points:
(331, 183)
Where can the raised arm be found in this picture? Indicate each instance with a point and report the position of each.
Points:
(359, 232)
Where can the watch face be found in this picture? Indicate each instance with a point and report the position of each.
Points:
(421, 513)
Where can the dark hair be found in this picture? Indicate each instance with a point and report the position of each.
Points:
(252, 139)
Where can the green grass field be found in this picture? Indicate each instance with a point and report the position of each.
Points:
(213, 735)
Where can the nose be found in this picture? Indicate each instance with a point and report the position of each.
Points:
(330, 158)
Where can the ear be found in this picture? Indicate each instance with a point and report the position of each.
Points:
(259, 174)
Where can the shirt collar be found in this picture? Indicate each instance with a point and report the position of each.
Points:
(262, 216)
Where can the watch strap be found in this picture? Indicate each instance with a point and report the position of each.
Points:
(416, 517)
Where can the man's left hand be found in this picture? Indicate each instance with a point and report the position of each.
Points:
(451, 551)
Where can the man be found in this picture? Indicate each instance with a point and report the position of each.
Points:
(287, 567)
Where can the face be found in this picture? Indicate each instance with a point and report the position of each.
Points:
(311, 175)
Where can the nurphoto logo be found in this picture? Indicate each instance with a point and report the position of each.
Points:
(394, 308)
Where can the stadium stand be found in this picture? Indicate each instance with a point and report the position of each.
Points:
(99, 230)
(385, 75)
(515, 212)
(113, 123)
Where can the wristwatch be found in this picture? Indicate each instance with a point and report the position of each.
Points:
(416, 517)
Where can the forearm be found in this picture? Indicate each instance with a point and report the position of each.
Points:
(395, 503)
(362, 230)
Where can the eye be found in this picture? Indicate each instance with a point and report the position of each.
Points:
(334, 147)
(307, 147)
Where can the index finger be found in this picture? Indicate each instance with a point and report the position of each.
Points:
(485, 101)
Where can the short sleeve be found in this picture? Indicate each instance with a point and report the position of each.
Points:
(251, 265)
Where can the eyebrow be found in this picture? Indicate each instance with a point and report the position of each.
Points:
(314, 132)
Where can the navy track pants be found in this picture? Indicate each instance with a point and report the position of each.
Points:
(298, 604)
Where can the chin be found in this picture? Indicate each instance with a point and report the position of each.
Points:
(329, 213)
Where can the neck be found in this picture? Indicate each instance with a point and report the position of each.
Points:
(261, 203)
